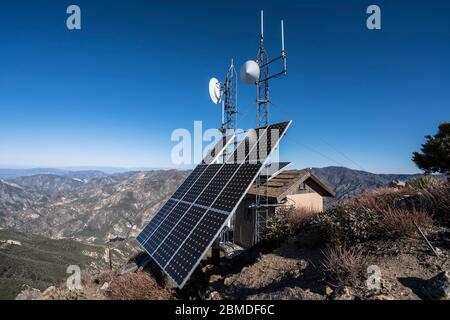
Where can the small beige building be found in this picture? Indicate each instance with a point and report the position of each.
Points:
(298, 188)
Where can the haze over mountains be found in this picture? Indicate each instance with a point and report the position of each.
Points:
(94, 206)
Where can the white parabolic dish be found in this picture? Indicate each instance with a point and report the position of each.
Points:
(215, 90)
(250, 72)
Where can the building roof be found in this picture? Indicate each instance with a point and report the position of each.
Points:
(274, 169)
(288, 181)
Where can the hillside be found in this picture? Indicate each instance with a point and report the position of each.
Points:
(7, 174)
(95, 210)
(348, 182)
(48, 183)
(39, 262)
(94, 206)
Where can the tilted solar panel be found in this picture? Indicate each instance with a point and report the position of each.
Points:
(218, 149)
(211, 157)
(182, 231)
(263, 138)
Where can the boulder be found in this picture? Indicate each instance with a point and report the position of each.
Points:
(228, 281)
(438, 287)
(30, 294)
(345, 293)
(105, 286)
(398, 184)
(215, 277)
(215, 296)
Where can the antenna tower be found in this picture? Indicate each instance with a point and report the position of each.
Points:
(229, 108)
(262, 120)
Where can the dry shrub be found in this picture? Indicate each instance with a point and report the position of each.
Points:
(298, 216)
(137, 286)
(378, 199)
(374, 215)
(286, 221)
(344, 266)
(437, 201)
(402, 223)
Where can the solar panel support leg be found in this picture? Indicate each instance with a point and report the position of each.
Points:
(215, 252)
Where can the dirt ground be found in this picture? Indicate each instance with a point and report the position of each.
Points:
(294, 272)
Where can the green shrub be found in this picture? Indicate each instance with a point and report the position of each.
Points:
(425, 182)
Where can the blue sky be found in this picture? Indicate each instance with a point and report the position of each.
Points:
(112, 93)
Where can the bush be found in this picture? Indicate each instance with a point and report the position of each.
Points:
(437, 201)
(375, 215)
(425, 182)
(344, 266)
(137, 286)
(286, 221)
(402, 223)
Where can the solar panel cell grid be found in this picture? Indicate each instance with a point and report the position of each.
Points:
(165, 227)
(178, 235)
(215, 187)
(189, 182)
(201, 183)
(243, 149)
(236, 187)
(191, 251)
(154, 223)
(217, 149)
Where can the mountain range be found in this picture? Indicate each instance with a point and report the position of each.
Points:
(94, 206)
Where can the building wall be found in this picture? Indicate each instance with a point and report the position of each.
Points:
(244, 223)
(310, 201)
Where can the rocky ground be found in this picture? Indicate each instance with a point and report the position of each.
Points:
(292, 272)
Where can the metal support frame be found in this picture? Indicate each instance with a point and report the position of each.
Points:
(262, 120)
(229, 124)
(229, 120)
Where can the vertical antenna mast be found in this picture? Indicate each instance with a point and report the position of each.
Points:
(229, 119)
(262, 120)
(262, 86)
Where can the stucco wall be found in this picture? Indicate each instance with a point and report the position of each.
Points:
(311, 201)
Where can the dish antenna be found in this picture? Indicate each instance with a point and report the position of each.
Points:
(215, 90)
(250, 72)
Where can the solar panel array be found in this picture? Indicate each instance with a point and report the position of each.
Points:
(218, 149)
(181, 232)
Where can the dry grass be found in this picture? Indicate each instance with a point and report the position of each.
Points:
(344, 266)
(402, 223)
(137, 286)
(437, 201)
(378, 199)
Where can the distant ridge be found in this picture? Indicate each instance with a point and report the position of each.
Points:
(348, 182)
